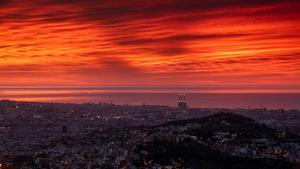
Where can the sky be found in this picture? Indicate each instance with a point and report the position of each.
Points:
(240, 44)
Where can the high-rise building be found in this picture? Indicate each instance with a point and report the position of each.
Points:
(182, 105)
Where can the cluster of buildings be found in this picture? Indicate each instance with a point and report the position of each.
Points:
(48, 135)
(284, 149)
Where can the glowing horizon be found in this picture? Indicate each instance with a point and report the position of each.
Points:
(139, 43)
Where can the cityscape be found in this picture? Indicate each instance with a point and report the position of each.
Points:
(55, 135)
(149, 84)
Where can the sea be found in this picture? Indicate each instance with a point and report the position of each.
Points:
(122, 96)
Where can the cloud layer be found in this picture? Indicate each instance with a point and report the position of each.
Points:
(141, 42)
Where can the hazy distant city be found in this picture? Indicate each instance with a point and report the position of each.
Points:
(109, 136)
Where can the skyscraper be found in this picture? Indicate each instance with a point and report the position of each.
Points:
(182, 105)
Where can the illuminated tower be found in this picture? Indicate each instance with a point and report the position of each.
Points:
(182, 105)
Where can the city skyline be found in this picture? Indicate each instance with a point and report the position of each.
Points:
(242, 44)
(149, 84)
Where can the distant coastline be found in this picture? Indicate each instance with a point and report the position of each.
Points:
(196, 100)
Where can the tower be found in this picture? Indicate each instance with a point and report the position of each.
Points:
(182, 105)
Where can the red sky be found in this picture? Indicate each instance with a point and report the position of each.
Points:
(158, 42)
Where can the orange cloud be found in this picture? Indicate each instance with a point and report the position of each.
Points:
(136, 42)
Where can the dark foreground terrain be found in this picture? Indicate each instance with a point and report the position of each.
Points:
(105, 136)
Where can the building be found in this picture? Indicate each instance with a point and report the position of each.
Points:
(182, 105)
